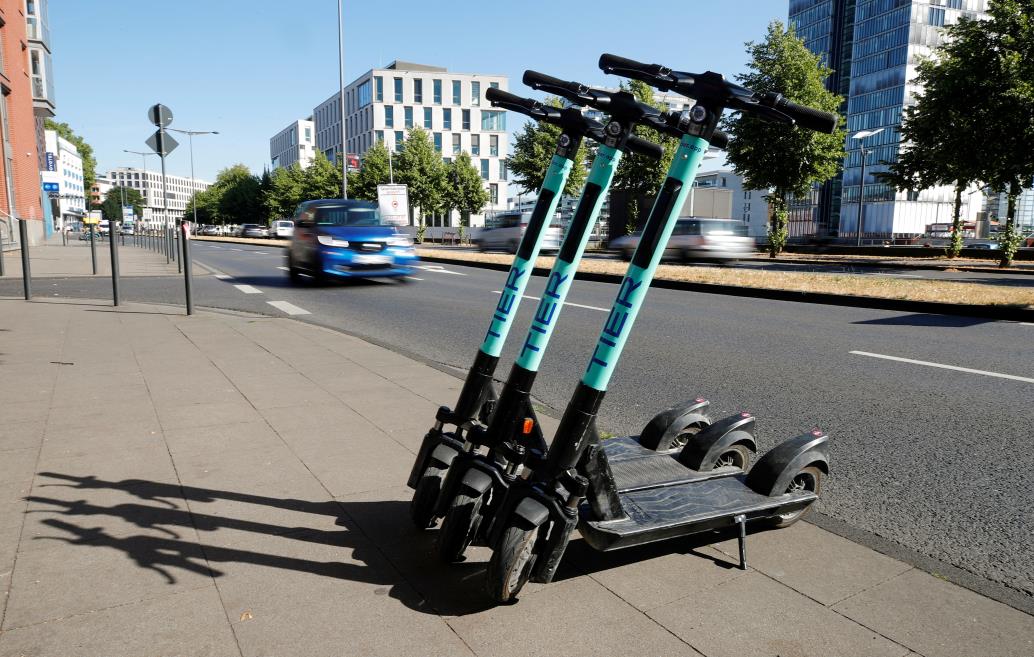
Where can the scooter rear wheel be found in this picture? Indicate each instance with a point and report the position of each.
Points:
(681, 438)
(810, 479)
(512, 563)
(425, 497)
(737, 456)
(459, 527)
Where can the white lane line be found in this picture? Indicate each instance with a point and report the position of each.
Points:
(288, 308)
(1027, 323)
(283, 269)
(414, 278)
(439, 270)
(944, 367)
(237, 249)
(247, 289)
(223, 277)
(576, 305)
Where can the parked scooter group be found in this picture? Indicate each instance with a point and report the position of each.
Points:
(485, 468)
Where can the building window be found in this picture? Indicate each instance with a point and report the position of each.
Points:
(493, 192)
(308, 134)
(378, 135)
(456, 148)
(409, 117)
(437, 86)
(475, 93)
(427, 118)
(438, 142)
(398, 90)
(447, 160)
(484, 169)
(466, 119)
(494, 85)
(502, 170)
(378, 89)
(389, 116)
(475, 144)
(493, 120)
(493, 145)
(937, 16)
(457, 91)
(418, 90)
(364, 94)
(398, 140)
(446, 119)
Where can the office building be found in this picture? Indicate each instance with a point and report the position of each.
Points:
(64, 164)
(20, 185)
(747, 206)
(997, 208)
(873, 47)
(383, 104)
(149, 184)
(100, 189)
(295, 143)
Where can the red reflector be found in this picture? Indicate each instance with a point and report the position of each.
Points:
(699, 400)
(744, 414)
(529, 424)
(816, 432)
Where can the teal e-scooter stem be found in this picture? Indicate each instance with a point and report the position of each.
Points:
(439, 447)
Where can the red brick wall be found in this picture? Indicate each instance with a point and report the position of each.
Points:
(20, 118)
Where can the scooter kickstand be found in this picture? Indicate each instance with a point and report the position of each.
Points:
(741, 520)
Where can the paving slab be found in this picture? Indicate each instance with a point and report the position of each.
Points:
(21, 435)
(939, 619)
(152, 627)
(756, 616)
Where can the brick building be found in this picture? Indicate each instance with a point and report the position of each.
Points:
(20, 157)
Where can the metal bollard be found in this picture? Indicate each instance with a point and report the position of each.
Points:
(188, 280)
(114, 270)
(93, 248)
(23, 235)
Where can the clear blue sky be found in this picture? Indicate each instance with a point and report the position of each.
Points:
(248, 67)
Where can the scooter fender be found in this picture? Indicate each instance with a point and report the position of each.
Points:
(438, 449)
(475, 483)
(702, 450)
(772, 474)
(562, 523)
(530, 513)
(662, 429)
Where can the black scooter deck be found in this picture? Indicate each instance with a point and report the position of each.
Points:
(659, 513)
(635, 467)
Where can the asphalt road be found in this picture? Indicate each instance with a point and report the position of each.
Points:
(931, 456)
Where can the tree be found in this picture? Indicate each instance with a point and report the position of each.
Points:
(362, 184)
(285, 191)
(787, 161)
(85, 152)
(466, 192)
(320, 179)
(238, 192)
(533, 150)
(207, 202)
(111, 206)
(265, 185)
(639, 175)
(420, 168)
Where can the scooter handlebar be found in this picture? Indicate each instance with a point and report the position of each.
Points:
(644, 147)
(572, 91)
(808, 117)
(528, 106)
(630, 68)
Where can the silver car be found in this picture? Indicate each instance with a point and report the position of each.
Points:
(504, 231)
(697, 239)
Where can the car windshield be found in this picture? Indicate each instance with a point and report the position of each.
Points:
(347, 216)
(723, 228)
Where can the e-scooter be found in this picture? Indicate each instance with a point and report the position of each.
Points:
(476, 481)
(533, 526)
(439, 447)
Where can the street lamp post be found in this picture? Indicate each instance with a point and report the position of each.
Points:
(341, 83)
(860, 136)
(193, 200)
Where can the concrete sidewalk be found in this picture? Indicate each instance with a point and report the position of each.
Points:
(230, 484)
(54, 260)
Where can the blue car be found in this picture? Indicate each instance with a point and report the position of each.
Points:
(334, 238)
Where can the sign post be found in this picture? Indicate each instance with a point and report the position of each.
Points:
(92, 219)
(113, 243)
(393, 202)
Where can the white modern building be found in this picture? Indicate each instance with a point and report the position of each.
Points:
(747, 205)
(64, 166)
(295, 143)
(384, 104)
(100, 189)
(149, 184)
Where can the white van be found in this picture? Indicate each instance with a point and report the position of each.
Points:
(282, 228)
(504, 231)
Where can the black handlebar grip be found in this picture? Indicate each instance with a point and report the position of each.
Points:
(510, 101)
(644, 147)
(810, 118)
(609, 62)
(536, 80)
(720, 140)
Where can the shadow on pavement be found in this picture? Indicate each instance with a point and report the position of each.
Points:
(946, 321)
(382, 546)
(285, 282)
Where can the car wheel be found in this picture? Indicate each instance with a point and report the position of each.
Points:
(514, 245)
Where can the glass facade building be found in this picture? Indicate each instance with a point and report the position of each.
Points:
(873, 47)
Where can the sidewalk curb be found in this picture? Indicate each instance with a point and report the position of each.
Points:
(1010, 313)
(880, 264)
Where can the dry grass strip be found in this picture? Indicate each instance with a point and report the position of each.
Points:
(884, 287)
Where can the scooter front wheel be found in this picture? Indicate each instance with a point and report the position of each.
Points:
(425, 497)
(459, 527)
(809, 479)
(512, 563)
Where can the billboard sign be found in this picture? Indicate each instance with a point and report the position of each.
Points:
(393, 201)
(51, 162)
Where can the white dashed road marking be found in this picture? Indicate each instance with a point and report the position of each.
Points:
(576, 305)
(247, 289)
(283, 268)
(223, 277)
(944, 367)
(414, 278)
(288, 308)
(439, 270)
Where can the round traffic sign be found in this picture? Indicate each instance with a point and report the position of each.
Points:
(160, 115)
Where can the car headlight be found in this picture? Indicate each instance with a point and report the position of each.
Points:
(401, 242)
(327, 240)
